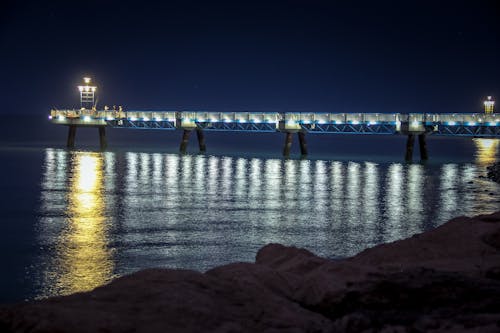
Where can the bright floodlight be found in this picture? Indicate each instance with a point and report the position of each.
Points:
(489, 105)
(87, 94)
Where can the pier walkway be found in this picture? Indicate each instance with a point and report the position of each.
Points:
(302, 123)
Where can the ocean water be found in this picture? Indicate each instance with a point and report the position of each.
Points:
(73, 220)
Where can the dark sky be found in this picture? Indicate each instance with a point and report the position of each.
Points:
(309, 55)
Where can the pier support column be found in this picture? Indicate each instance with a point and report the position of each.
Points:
(201, 140)
(409, 147)
(424, 156)
(71, 137)
(288, 144)
(303, 143)
(102, 138)
(185, 141)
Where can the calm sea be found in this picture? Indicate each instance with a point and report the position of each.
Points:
(73, 220)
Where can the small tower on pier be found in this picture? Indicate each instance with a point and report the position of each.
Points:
(87, 94)
(489, 105)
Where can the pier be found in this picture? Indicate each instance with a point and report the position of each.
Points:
(412, 125)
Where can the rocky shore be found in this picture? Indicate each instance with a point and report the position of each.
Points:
(494, 172)
(447, 279)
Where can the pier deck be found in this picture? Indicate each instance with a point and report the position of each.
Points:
(421, 124)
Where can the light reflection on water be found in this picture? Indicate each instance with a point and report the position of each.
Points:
(81, 257)
(108, 214)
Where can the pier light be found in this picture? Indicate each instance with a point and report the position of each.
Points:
(145, 119)
(132, 118)
(60, 117)
(489, 105)
(86, 118)
(87, 94)
(355, 122)
(158, 119)
(451, 123)
(373, 122)
(471, 123)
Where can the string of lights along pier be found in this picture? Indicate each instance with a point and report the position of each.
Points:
(421, 125)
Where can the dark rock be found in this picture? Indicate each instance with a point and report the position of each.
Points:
(403, 299)
(446, 279)
(494, 172)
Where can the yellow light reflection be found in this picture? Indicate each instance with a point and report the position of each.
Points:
(83, 258)
(486, 151)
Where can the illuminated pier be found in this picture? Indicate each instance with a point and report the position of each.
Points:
(413, 124)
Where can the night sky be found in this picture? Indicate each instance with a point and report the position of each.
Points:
(332, 56)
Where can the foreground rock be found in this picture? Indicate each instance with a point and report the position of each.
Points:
(447, 279)
(494, 172)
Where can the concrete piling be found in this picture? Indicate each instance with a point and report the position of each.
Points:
(410, 142)
(303, 143)
(288, 144)
(201, 140)
(423, 147)
(71, 137)
(185, 141)
(102, 138)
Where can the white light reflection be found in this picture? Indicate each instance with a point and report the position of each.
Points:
(415, 190)
(213, 174)
(353, 199)
(290, 196)
(53, 196)
(448, 191)
(337, 193)
(186, 171)
(321, 191)
(227, 180)
(468, 190)
(110, 170)
(200, 167)
(157, 171)
(305, 190)
(145, 170)
(132, 165)
(370, 208)
(255, 182)
(241, 179)
(272, 189)
(171, 201)
(394, 203)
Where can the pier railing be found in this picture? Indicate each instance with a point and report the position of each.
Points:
(442, 123)
(410, 124)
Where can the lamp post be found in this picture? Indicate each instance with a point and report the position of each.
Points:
(489, 105)
(87, 94)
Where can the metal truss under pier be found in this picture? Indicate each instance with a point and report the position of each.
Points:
(413, 124)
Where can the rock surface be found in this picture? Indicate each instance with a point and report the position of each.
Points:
(494, 172)
(447, 279)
